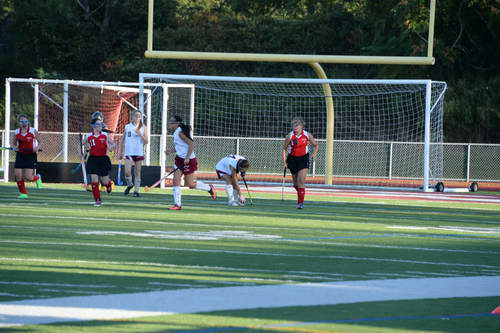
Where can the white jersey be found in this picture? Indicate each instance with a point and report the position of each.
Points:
(181, 147)
(227, 162)
(134, 144)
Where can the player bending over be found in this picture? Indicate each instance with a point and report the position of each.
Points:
(296, 145)
(132, 148)
(228, 169)
(185, 162)
(98, 164)
(26, 145)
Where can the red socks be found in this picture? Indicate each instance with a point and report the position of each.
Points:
(21, 187)
(301, 193)
(96, 192)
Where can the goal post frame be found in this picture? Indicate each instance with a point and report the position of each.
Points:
(64, 108)
(325, 83)
(294, 58)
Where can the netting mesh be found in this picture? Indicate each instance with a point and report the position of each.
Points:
(115, 104)
(378, 127)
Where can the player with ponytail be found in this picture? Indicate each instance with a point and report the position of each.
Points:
(134, 139)
(185, 162)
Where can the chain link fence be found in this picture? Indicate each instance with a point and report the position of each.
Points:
(461, 161)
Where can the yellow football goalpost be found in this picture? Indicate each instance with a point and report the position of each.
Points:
(312, 60)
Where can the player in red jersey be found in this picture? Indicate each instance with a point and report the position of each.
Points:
(296, 157)
(98, 164)
(26, 145)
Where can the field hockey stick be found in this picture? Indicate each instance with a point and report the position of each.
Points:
(248, 191)
(119, 179)
(283, 185)
(158, 182)
(82, 162)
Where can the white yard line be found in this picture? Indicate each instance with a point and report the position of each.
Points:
(120, 306)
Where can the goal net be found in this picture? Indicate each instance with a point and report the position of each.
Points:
(385, 132)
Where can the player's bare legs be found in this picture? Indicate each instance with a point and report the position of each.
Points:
(128, 175)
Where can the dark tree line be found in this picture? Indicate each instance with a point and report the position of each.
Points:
(106, 39)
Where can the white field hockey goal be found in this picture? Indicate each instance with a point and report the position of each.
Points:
(370, 132)
(61, 109)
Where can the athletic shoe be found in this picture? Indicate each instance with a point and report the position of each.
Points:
(98, 203)
(300, 206)
(109, 186)
(233, 203)
(136, 195)
(212, 192)
(22, 196)
(127, 190)
(39, 182)
(175, 207)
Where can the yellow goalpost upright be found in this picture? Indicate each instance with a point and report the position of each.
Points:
(312, 60)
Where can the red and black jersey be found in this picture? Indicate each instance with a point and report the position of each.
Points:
(26, 141)
(298, 144)
(98, 144)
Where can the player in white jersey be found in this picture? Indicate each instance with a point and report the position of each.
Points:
(185, 162)
(134, 139)
(228, 169)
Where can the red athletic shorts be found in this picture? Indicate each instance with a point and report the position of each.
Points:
(186, 169)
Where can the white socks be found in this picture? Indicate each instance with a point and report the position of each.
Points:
(177, 195)
(202, 186)
(137, 184)
(230, 192)
(129, 181)
(236, 197)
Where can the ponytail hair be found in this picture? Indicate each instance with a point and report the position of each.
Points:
(186, 129)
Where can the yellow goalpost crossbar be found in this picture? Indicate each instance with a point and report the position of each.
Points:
(298, 58)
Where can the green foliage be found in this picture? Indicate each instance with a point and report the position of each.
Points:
(106, 39)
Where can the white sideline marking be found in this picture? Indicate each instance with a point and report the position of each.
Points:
(243, 253)
(120, 306)
(191, 235)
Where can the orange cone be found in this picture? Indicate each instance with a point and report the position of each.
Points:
(496, 311)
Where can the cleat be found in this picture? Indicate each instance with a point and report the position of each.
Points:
(233, 203)
(127, 190)
(38, 182)
(109, 186)
(98, 203)
(175, 207)
(212, 192)
(22, 196)
(300, 206)
(136, 195)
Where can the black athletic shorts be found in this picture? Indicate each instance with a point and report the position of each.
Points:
(297, 163)
(25, 161)
(98, 165)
